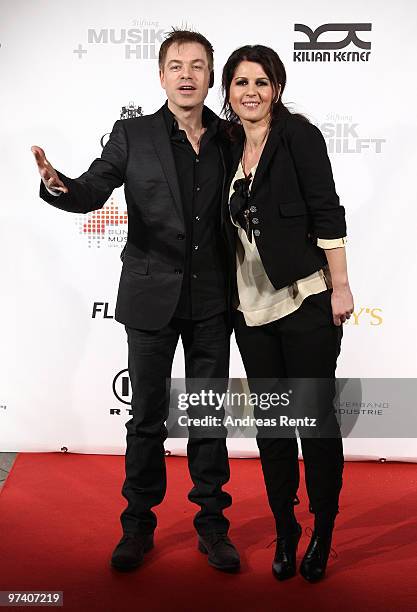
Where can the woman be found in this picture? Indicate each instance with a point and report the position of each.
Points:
(290, 251)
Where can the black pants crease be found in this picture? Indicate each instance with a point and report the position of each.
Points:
(304, 344)
(206, 350)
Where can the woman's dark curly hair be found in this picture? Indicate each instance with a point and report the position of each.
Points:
(273, 68)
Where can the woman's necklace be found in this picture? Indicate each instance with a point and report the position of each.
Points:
(254, 155)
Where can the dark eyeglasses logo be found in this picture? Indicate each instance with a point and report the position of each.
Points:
(351, 37)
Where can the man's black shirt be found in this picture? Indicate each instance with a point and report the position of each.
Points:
(200, 177)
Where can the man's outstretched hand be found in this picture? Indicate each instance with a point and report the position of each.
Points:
(48, 174)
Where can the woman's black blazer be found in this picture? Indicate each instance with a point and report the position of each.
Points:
(293, 199)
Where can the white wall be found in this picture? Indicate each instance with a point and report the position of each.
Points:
(57, 362)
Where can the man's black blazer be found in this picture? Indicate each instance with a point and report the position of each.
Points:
(138, 154)
(293, 199)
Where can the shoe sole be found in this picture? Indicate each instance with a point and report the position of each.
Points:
(130, 567)
(282, 577)
(223, 568)
(313, 580)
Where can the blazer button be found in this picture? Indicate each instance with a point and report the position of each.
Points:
(257, 232)
(180, 236)
(253, 209)
(178, 271)
(255, 221)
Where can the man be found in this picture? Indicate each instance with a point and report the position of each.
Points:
(173, 283)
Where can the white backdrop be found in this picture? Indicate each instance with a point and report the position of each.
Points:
(67, 69)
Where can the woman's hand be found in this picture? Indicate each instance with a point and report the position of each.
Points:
(342, 300)
(342, 304)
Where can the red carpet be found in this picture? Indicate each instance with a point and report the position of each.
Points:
(60, 523)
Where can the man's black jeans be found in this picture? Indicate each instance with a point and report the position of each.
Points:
(206, 348)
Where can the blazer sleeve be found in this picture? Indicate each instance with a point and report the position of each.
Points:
(315, 177)
(91, 190)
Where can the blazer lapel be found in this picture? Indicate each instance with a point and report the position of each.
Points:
(266, 156)
(163, 149)
(268, 151)
(236, 155)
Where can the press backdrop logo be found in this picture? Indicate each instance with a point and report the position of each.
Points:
(104, 227)
(343, 135)
(122, 388)
(108, 226)
(130, 111)
(140, 41)
(101, 310)
(319, 49)
(366, 315)
(362, 315)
